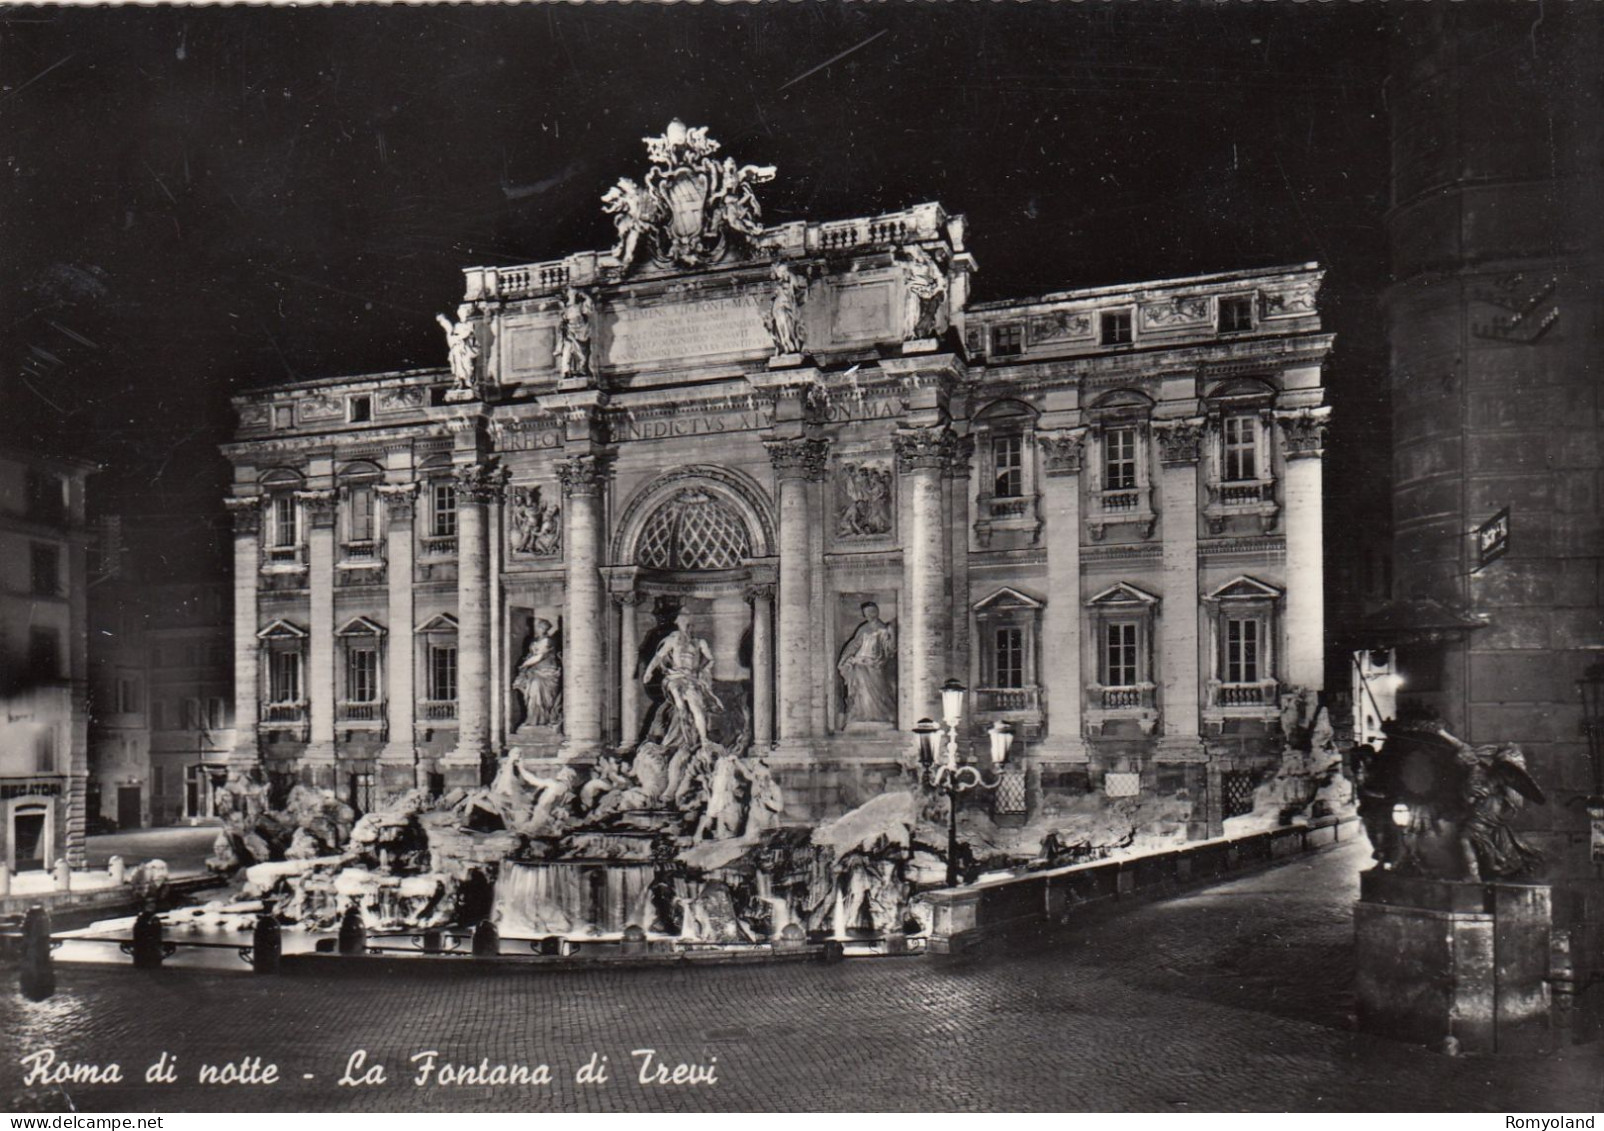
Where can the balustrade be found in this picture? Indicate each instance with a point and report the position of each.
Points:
(437, 710)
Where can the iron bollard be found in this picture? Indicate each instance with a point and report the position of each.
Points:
(833, 952)
(486, 940)
(353, 932)
(433, 942)
(634, 939)
(149, 949)
(266, 945)
(37, 977)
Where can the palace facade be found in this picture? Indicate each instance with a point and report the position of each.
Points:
(1099, 509)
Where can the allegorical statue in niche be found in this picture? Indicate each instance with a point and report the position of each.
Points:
(540, 678)
(865, 665)
(784, 317)
(868, 507)
(573, 335)
(462, 348)
(925, 287)
(686, 664)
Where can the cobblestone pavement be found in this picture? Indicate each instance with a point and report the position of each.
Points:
(1235, 997)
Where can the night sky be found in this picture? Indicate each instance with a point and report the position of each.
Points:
(197, 201)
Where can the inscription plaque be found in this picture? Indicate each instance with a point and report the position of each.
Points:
(686, 330)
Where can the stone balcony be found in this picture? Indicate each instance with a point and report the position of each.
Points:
(1135, 701)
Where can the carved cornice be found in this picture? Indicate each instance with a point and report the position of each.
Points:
(1303, 431)
(581, 476)
(923, 449)
(800, 457)
(1179, 441)
(1062, 450)
(400, 500)
(319, 506)
(247, 513)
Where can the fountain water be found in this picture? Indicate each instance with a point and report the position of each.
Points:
(571, 897)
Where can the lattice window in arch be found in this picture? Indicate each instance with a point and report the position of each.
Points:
(694, 530)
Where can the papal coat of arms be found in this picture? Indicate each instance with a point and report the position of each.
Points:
(693, 206)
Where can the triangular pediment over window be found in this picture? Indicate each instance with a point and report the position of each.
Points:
(440, 622)
(281, 630)
(1245, 589)
(360, 626)
(1123, 596)
(1006, 598)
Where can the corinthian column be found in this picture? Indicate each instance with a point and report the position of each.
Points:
(398, 758)
(629, 686)
(1061, 621)
(463, 765)
(921, 454)
(957, 469)
(320, 690)
(1303, 433)
(584, 658)
(762, 601)
(798, 462)
(1179, 443)
(247, 514)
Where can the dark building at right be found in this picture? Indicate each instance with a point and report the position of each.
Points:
(1493, 323)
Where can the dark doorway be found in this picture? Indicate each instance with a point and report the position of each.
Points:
(28, 835)
(128, 807)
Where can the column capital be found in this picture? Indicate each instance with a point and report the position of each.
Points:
(958, 460)
(581, 475)
(319, 506)
(246, 511)
(477, 483)
(1062, 451)
(628, 599)
(763, 591)
(1179, 441)
(923, 448)
(1304, 431)
(799, 457)
(400, 499)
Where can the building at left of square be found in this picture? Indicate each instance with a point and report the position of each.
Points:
(43, 660)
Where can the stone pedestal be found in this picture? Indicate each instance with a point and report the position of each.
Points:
(1440, 959)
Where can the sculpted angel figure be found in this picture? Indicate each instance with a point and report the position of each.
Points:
(686, 663)
(632, 211)
(865, 667)
(739, 206)
(925, 284)
(573, 338)
(540, 678)
(784, 317)
(462, 348)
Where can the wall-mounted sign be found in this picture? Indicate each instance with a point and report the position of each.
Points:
(1492, 539)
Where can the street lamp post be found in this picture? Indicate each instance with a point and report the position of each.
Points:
(949, 775)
